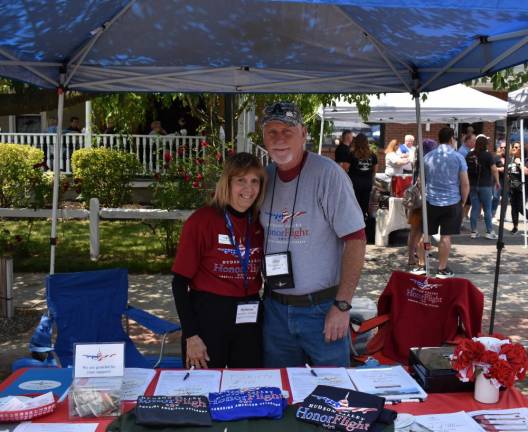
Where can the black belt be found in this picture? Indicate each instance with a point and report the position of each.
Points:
(305, 300)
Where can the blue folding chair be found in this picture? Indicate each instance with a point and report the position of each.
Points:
(89, 307)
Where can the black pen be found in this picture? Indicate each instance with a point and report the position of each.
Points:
(188, 374)
(310, 369)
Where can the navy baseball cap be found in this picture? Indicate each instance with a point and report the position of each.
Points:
(285, 112)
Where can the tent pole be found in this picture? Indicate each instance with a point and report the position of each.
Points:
(523, 181)
(57, 157)
(504, 205)
(321, 132)
(426, 242)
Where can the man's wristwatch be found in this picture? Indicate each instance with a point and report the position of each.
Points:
(342, 305)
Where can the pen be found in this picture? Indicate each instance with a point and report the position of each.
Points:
(188, 374)
(310, 369)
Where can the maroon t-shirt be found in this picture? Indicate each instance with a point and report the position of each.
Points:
(207, 258)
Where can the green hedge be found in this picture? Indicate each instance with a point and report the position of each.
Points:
(20, 175)
(105, 174)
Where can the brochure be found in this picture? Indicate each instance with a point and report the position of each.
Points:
(392, 382)
(40, 381)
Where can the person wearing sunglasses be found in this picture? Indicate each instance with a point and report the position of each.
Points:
(314, 248)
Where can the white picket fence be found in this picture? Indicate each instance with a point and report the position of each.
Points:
(149, 149)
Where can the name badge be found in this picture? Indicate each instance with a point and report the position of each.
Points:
(276, 264)
(224, 239)
(247, 312)
(278, 270)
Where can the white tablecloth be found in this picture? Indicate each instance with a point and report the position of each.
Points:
(390, 220)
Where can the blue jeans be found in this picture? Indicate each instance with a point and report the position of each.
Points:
(496, 200)
(481, 195)
(293, 335)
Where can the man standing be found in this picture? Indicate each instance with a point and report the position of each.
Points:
(408, 147)
(467, 145)
(447, 188)
(314, 248)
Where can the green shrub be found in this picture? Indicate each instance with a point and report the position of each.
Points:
(105, 174)
(20, 173)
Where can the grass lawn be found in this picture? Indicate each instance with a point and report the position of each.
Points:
(129, 244)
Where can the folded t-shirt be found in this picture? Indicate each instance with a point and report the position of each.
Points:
(173, 410)
(258, 402)
(347, 410)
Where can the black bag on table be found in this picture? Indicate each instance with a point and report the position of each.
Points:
(345, 410)
(173, 410)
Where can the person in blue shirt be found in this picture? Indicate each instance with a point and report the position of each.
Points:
(447, 189)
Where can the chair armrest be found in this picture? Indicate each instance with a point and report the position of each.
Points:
(369, 324)
(152, 322)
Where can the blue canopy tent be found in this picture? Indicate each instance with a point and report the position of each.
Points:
(249, 46)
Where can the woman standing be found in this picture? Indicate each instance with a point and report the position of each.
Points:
(483, 178)
(394, 160)
(342, 151)
(363, 165)
(217, 272)
(515, 177)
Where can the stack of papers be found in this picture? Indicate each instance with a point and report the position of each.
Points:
(241, 379)
(507, 420)
(199, 383)
(135, 382)
(303, 382)
(393, 383)
(452, 422)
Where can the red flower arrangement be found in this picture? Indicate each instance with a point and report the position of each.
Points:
(501, 361)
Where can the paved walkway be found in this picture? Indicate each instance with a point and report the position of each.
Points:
(471, 259)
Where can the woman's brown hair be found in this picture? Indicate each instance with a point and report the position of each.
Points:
(360, 147)
(235, 166)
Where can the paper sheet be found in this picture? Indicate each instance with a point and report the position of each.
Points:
(515, 419)
(392, 383)
(453, 422)
(56, 427)
(135, 382)
(199, 383)
(252, 378)
(302, 382)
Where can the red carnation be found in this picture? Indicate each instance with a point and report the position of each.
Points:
(517, 358)
(218, 156)
(204, 144)
(199, 177)
(502, 372)
(199, 161)
(467, 352)
(167, 157)
(489, 357)
(186, 178)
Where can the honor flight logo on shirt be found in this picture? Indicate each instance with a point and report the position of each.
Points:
(285, 216)
(424, 293)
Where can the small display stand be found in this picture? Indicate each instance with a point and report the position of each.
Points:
(97, 380)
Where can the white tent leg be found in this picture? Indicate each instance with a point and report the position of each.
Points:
(426, 241)
(523, 181)
(321, 132)
(57, 156)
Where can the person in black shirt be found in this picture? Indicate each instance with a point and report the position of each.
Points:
(515, 179)
(362, 169)
(499, 163)
(483, 178)
(342, 151)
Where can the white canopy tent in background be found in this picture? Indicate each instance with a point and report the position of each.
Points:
(518, 108)
(454, 104)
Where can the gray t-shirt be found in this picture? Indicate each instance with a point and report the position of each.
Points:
(326, 210)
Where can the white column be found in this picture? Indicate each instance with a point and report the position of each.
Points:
(12, 124)
(43, 121)
(321, 132)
